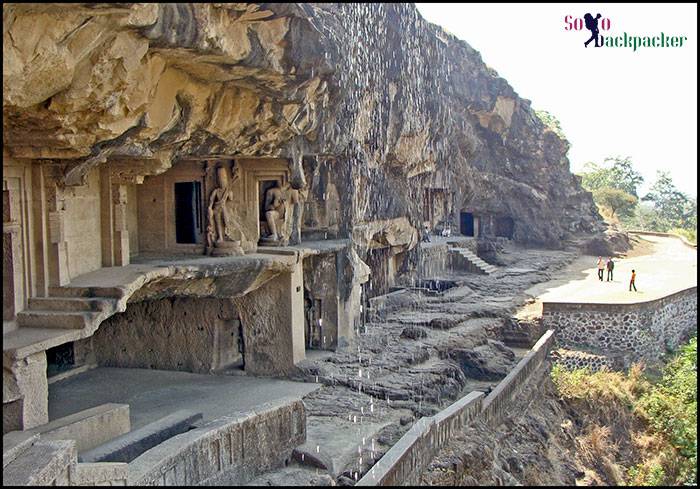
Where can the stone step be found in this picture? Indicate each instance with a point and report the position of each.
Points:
(68, 304)
(54, 319)
(94, 292)
(16, 442)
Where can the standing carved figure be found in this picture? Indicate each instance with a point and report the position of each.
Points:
(217, 213)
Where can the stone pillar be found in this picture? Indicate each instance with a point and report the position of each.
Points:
(25, 393)
(58, 247)
(296, 305)
(106, 217)
(13, 296)
(273, 324)
(120, 231)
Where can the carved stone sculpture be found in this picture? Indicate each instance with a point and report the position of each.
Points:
(218, 241)
(283, 209)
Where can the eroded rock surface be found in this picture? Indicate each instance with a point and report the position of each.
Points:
(138, 87)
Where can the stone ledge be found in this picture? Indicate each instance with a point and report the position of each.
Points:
(44, 463)
(129, 446)
(90, 427)
(16, 442)
(99, 474)
(241, 447)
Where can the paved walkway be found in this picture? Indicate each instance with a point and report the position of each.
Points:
(671, 267)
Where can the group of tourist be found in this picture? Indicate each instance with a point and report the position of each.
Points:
(609, 265)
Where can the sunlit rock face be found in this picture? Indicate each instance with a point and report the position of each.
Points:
(401, 104)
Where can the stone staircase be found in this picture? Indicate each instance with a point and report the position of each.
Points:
(67, 314)
(464, 258)
(65, 311)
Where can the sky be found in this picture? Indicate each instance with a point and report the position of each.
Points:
(609, 101)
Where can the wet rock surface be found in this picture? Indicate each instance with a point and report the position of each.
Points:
(395, 374)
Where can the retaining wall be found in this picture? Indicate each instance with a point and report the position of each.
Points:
(231, 450)
(405, 462)
(497, 402)
(626, 333)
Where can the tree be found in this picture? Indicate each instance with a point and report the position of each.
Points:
(672, 204)
(617, 201)
(623, 175)
(595, 177)
(616, 172)
(646, 218)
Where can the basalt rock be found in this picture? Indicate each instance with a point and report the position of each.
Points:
(400, 104)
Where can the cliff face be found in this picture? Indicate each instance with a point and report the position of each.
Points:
(399, 103)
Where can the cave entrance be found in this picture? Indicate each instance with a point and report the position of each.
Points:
(313, 322)
(188, 212)
(505, 227)
(466, 223)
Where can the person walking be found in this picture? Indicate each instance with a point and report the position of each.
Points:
(634, 276)
(601, 267)
(610, 266)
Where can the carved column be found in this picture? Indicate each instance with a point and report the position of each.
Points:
(106, 217)
(120, 230)
(58, 247)
(12, 251)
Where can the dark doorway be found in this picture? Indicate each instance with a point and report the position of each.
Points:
(264, 186)
(59, 359)
(188, 212)
(313, 312)
(505, 227)
(466, 223)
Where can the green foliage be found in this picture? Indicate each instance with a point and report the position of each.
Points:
(551, 122)
(646, 218)
(671, 408)
(616, 172)
(617, 201)
(652, 474)
(668, 407)
(662, 209)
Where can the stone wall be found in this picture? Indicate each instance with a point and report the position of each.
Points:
(497, 402)
(404, 463)
(627, 333)
(178, 333)
(574, 359)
